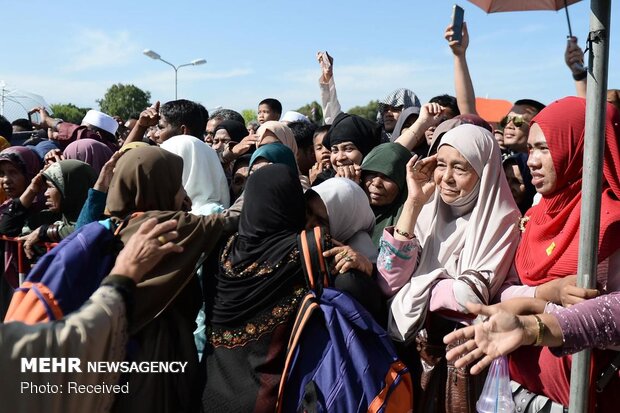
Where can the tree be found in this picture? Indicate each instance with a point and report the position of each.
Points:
(69, 112)
(313, 111)
(248, 115)
(124, 100)
(369, 111)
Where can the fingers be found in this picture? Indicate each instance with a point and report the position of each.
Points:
(481, 365)
(481, 309)
(460, 334)
(334, 251)
(154, 231)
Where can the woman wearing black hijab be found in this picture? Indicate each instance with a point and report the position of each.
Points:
(519, 179)
(350, 138)
(252, 299)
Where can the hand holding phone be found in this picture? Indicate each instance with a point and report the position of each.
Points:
(457, 22)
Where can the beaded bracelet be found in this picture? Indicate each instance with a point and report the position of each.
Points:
(404, 234)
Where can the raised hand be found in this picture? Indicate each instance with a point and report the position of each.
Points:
(420, 182)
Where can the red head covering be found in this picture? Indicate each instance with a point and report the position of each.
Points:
(549, 247)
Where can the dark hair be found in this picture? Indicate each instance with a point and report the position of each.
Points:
(205, 116)
(319, 130)
(530, 102)
(184, 112)
(447, 101)
(6, 129)
(23, 124)
(303, 132)
(227, 114)
(274, 105)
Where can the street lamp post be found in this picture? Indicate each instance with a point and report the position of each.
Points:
(155, 56)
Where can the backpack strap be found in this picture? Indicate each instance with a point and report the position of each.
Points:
(308, 307)
(311, 245)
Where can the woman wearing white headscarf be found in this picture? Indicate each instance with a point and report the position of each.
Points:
(203, 177)
(349, 214)
(342, 205)
(456, 237)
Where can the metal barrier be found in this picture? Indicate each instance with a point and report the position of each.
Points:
(22, 266)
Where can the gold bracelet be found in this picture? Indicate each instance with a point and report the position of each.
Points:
(541, 331)
(404, 233)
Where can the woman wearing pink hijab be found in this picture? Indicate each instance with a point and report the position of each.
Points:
(93, 152)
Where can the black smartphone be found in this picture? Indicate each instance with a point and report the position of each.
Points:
(34, 118)
(457, 22)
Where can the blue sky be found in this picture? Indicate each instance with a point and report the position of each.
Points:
(72, 51)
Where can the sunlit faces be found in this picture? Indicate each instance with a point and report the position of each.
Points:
(380, 189)
(515, 137)
(454, 176)
(265, 113)
(540, 162)
(12, 180)
(165, 130)
(390, 116)
(515, 181)
(210, 130)
(220, 139)
(345, 153)
(316, 212)
(321, 153)
(53, 198)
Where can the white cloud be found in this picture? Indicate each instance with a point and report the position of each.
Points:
(97, 49)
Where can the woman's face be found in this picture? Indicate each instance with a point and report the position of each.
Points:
(316, 212)
(345, 153)
(454, 176)
(53, 198)
(380, 189)
(540, 162)
(515, 181)
(259, 163)
(12, 180)
(220, 140)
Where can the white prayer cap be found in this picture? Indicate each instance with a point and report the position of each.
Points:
(100, 120)
(292, 116)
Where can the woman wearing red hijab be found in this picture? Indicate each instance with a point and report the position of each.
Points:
(548, 253)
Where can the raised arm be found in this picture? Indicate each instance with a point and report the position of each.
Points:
(464, 88)
(573, 56)
(329, 98)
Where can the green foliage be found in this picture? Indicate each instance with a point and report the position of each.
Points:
(69, 112)
(124, 100)
(248, 115)
(369, 111)
(313, 111)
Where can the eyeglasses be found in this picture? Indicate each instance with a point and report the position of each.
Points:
(516, 120)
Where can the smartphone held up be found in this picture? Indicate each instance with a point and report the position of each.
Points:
(457, 22)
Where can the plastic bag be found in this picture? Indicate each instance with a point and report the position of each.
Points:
(496, 395)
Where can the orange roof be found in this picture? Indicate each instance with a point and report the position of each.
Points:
(492, 110)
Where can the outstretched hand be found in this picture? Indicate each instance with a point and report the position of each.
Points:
(500, 334)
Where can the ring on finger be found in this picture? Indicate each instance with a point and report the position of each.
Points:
(162, 240)
(348, 259)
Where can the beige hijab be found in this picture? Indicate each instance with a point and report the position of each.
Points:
(282, 132)
(478, 232)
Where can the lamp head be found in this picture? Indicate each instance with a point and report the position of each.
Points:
(151, 54)
(199, 62)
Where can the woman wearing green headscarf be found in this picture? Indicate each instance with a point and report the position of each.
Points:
(384, 180)
(66, 186)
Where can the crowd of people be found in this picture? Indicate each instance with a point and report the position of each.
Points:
(438, 218)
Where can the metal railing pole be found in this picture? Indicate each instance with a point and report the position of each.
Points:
(598, 62)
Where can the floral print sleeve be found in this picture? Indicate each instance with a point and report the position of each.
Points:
(396, 262)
